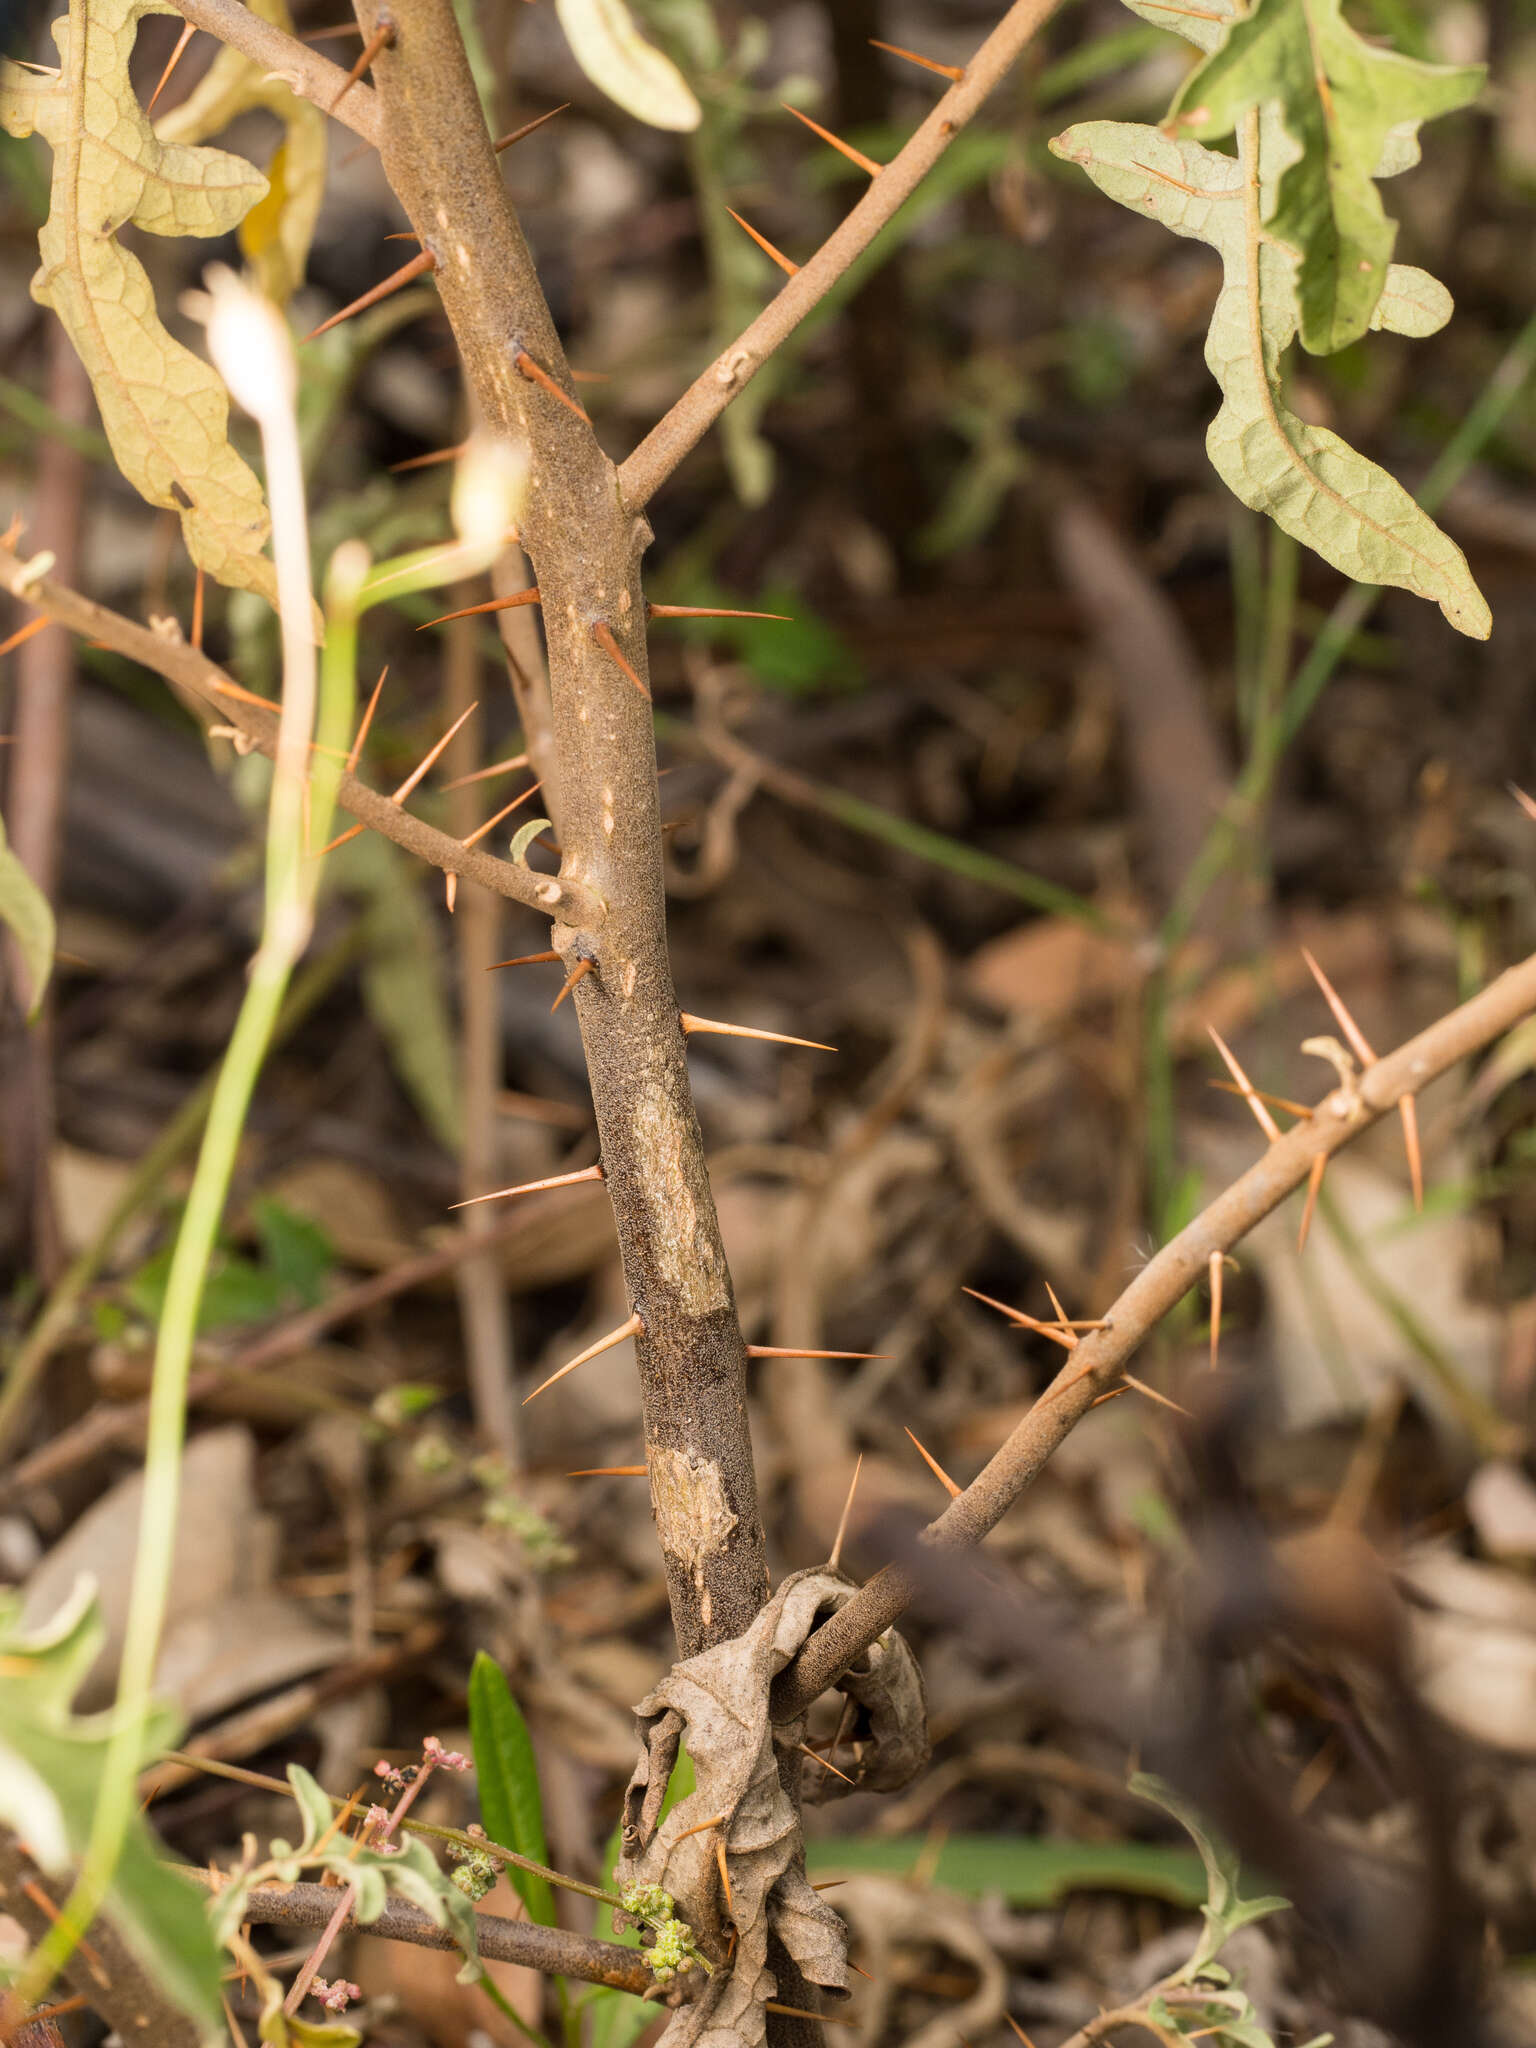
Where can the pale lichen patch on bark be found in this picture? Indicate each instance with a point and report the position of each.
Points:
(687, 1253)
(692, 1518)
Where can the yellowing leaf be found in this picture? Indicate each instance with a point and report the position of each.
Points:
(26, 910)
(276, 234)
(164, 409)
(620, 62)
(1311, 483)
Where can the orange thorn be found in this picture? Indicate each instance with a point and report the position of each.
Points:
(187, 33)
(1062, 1318)
(533, 1187)
(936, 1469)
(419, 265)
(1152, 1394)
(450, 890)
(707, 611)
(1246, 1088)
(806, 1750)
(603, 634)
(1527, 804)
(842, 1523)
(1008, 2016)
(609, 1472)
(485, 774)
(633, 1328)
(382, 36)
(1408, 1109)
(803, 2012)
(854, 156)
(1346, 1023)
(1361, 1047)
(859, 1966)
(226, 688)
(1314, 1188)
(589, 376)
(325, 35)
(1284, 1102)
(355, 752)
(197, 611)
(578, 973)
(1114, 1394)
(1216, 1268)
(1062, 1386)
(788, 1351)
(953, 71)
(774, 255)
(495, 604)
(1064, 1338)
(524, 364)
(527, 128)
(701, 1828)
(425, 461)
(28, 632)
(691, 1024)
(523, 960)
(421, 769)
(725, 1875)
(505, 812)
(340, 840)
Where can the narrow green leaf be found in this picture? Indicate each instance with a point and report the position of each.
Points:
(620, 62)
(508, 1773)
(25, 909)
(1026, 1871)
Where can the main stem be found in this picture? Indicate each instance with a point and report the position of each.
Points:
(585, 550)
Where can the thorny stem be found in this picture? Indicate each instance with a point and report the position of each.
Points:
(301, 67)
(1182, 1263)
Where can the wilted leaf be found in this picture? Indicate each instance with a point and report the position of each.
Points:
(1225, 1909)
(508, 1774)
(165, 410)
(620, 62)
(51, 1765)
(1340, 99)
(1311, 483)
(27, 912)
(275, 235)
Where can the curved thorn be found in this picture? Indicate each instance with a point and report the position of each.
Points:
(603, 634)
(485, 774)
(725, 1875)
(936, 1469)
(1246, 1088)
(528, 127)
(692, 1024)
(865, 163)
(632, 1328)
(187, 33)
(578, 973)
(842, 1521)
(951, 71)
(533, 1187)
(793, 1351)
(774, 255)
(709, 611)
(523, 960)
(419, 265)
(494, 604)
(535, 373)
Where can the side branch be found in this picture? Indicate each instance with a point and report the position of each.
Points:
(554, 1950)
(206, 684)
(303, 70)
(1103, 1353)
(707, 397)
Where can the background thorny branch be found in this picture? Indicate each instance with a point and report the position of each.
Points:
(828, 845)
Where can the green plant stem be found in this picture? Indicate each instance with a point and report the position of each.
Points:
(56, 1318)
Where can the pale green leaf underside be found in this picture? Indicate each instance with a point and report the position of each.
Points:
(164, 409)
(1311, 483)
(620, 62)
(1350, 107)
(26, 911)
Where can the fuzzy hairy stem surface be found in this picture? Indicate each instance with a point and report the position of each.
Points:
(585, 549)
(1161, 1284)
